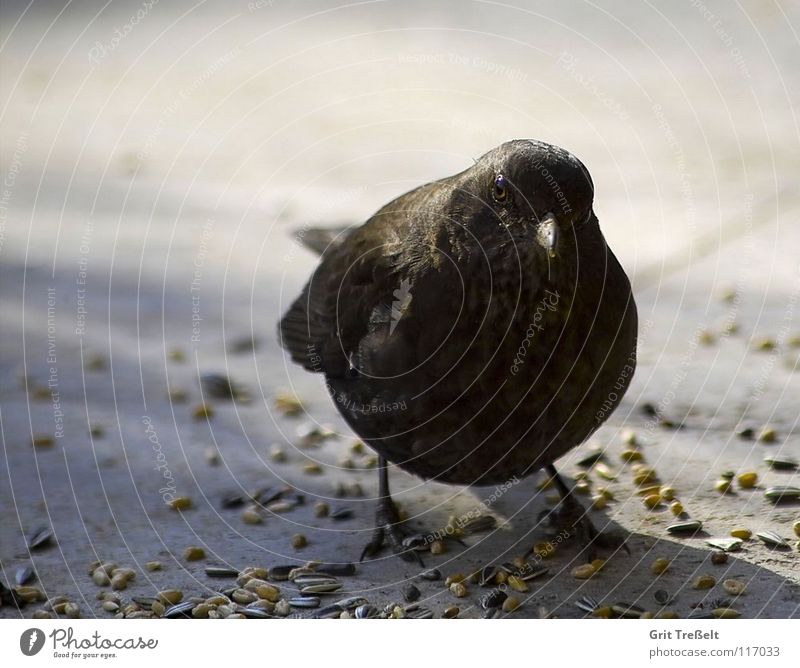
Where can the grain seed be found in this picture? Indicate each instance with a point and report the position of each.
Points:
(676, 507)
(747, 480)
(153, 566)
(170, 596)
(252, 515)
(511, 604)
(583, 572)
(704, 582)
(726, 613)
(659, 566)
(768, 435)
(741, 533)
(203, 412)
(734, 587)
(667, 493)
(719, 558)
(458, 589)
(180, 503)
(194, 553)
(299, 541)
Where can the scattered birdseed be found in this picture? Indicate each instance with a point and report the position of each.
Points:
(411, 593)
(631, 456)
(194, 553)
(726, 544)
(180, 503)
(768, 435)
(431, 575)
(659, 566)
(772, 539)
(109, 606)
(252, 515)
(704, 582)
(119, 582)
(747, 480)
(277, 454)
(782, 463)
(312, 468)
(719, 558)
(780, 493)
(690, 526)
(734, 587)
(599, 502)
(170, 596)
(203, 412)
(723, 486)
(661, 596)
(667, 493)
(511, 604)
(299, 541)
(24, 575)
(796, 528)
(321, 509)
(458, 589)
(212, 456)
(438, 547)
(583, 572)
(676, 507)
(517, 584)
(42, 441)
(451, 612)
(40, 539)
(726, 613)
(100, 578)
(741, 533)
(288, 405)
(342, 514)
(652, 501)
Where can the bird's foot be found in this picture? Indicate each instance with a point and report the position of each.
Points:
(571, 520)
(389, 529)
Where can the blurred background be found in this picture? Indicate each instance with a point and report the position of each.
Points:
(157, 156)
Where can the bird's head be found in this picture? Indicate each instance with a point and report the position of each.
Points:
(528, 190)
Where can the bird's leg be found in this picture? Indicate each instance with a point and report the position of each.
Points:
(574, 518)
(388, 527)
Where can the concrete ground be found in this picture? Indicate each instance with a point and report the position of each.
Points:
(153, 177)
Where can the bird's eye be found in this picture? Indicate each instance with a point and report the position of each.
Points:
(500, 188)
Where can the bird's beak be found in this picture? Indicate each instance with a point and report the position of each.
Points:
(548, 233)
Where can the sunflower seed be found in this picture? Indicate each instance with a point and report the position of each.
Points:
(342, 514)
(365, 611)
(726, 544)
(431, 575)
(304, 602)
(233, 500)
(221, 572)
(662, 597)
(281, 572)
(782, 493)
(482, 523)
(533, 574)
(486, 576)
(313, 579)
(491, 613)
(40, 538)
(493, 599)
(24, 575)
(772, 539)
(420, 613)
(411, 593)
(591, 458)
(690, 526)
(180, 610)
(327, 588)
(416, 541)
(255, 613)
(338, 570)
(587, 604)
(145, 602)
(781, 463)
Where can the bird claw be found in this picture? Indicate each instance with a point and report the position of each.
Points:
(389, 529)
(570, 516)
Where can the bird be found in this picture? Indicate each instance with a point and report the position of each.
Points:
(473, 330)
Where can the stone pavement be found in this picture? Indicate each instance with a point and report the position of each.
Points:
(151, 186)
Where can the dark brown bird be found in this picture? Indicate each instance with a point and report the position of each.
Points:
(474, 329)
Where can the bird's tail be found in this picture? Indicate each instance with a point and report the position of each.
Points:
(322, 239)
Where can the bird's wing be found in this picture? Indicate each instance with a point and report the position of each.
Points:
(348, 297)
